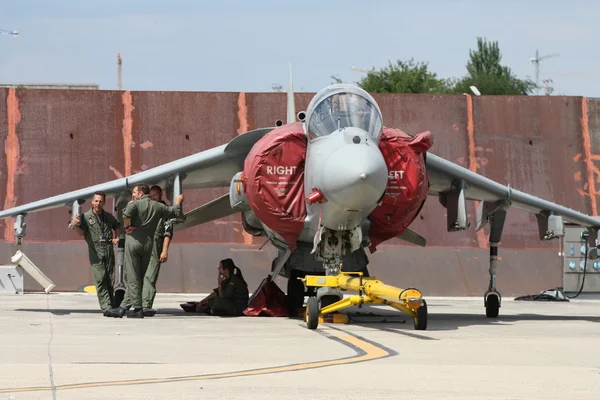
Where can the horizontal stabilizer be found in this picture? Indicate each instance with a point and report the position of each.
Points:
(412, 237)
(215, 209)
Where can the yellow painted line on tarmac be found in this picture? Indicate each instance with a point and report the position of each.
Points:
(365, 351)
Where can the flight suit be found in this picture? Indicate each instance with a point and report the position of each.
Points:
(164, 229)
(145, 215)
(234, 300)
(98, 233)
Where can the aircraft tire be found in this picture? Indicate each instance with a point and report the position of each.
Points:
(312, 313)
(492, 306)
(328, 300)
(421, 320)
(295, 293)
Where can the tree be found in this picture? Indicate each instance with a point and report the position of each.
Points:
(484, 70)
(404, 77)
(488, 75)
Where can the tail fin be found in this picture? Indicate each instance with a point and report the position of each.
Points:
(291, 105)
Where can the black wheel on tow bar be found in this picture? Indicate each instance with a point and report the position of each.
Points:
(421, 319)
(492, 306)
(312, 313)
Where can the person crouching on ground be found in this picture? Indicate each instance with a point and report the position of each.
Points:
(231, 296)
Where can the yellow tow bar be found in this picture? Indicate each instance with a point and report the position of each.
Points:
(371, 291)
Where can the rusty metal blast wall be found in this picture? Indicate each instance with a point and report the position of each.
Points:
(55, 141)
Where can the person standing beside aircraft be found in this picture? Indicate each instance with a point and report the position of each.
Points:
(97, 226)
(160, 253)
(140, 220)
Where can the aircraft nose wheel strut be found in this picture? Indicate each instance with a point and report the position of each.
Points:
(371, 291)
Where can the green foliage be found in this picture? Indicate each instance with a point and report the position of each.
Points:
(493, 85)
(484, 70)
(486, 60)
(489, 76)
(403, 77)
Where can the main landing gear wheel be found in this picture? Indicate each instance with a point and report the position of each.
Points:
(420, 320)
(328, 300)
(312, 313)
(492, 306)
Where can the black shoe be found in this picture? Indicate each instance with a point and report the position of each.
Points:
(116, 312)
(149, 312)
(136, 313)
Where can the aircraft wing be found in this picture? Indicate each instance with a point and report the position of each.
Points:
(462, 184)
(208, 169)
(211, 168)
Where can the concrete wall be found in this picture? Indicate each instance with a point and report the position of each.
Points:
(53, 141)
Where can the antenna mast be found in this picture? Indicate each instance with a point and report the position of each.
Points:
(536, 62)
(119, 63)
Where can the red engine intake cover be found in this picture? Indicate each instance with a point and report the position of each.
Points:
(408, 184)
(274, 180)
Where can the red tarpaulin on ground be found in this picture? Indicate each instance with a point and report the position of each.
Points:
(269, 302)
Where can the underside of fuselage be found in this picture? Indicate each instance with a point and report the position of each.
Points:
(302, 261)
(302, 258)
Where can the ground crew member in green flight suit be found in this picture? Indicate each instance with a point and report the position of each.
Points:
(231, 296)
(140, 220)
(160, 253)
(97, 226)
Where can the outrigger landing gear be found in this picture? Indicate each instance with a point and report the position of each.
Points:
(492, 298)
(371, 291)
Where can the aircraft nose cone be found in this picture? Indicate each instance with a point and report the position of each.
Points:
(355, 176)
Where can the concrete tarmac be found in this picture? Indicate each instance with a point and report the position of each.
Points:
(59, 346)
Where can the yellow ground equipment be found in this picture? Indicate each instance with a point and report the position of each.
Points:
(370, 291)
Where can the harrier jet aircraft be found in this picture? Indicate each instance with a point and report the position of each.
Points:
(329, 183)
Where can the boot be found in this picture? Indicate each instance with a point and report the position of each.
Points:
(136, 313)
(116, 312)
(190, 306)
(149, 312)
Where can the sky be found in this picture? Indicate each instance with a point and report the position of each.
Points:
(245, 45)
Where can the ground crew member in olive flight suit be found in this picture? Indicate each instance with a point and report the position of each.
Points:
(160, 253)
(140, 220)
(97, 226)
(231, 296)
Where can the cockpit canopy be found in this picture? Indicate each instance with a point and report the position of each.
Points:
(341, 106)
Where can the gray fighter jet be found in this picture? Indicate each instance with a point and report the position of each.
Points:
(325, 186)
